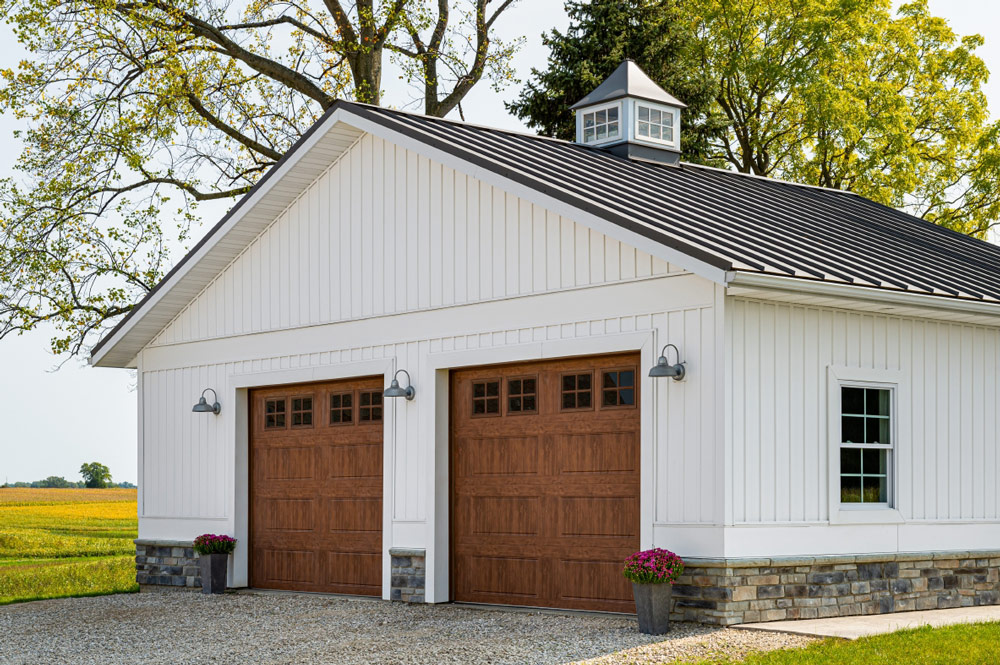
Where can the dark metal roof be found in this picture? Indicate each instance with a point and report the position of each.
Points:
(628, 81)
(730, 220)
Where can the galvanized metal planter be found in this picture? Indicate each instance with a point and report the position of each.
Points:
(213, 572)
(652, 604)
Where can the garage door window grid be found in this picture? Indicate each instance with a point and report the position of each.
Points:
(274, 414)
(342, 408)
(302, 412)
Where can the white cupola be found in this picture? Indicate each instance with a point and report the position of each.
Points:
(629, 115)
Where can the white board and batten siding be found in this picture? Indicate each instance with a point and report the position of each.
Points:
(946, 461)
(385, 231)
(391, 257)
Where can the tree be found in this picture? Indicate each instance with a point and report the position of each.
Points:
(55, 481)
(844, 94)
(95, 475)
(602, 33)
(138, 110)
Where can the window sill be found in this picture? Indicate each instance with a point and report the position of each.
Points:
(866, 516)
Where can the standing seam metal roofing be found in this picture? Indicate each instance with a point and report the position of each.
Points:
(754, 224)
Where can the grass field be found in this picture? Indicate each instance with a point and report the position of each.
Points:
(970, 644)
(66, 542)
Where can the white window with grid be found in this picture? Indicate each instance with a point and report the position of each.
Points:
(601, 125)
(865, 417)
(654, 123)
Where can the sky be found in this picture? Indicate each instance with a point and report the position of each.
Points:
(52, 421)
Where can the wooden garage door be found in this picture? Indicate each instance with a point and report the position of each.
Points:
(545, 483)
(316, 487)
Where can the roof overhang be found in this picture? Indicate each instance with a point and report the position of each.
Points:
(865, 298)
(326, 140)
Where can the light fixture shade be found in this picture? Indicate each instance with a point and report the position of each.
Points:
(204, 407)
(395, 390)
(663, 368)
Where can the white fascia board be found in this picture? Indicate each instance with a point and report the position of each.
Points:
(190, 262)
(853, 292)
(596, 222)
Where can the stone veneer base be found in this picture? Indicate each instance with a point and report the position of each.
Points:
(170, 563)
(409, 574)
(732, 591)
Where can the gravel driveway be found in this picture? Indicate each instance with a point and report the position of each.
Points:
(185, 627)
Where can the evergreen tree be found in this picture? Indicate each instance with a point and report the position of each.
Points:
(602, 33)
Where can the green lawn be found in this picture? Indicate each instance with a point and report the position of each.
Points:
(969, 644)
(57, 543)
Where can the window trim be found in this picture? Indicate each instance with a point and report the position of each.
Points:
(594, 109)
(500, 397)
(286, 413)
(635, 388)
(507, 396)
(594, 391)
(676, 125)
(311, 411)
(854, 377)
(353, 408)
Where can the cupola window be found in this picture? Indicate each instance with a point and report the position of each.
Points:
(655, 124)
(601, 125)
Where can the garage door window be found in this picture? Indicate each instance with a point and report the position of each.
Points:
(618, 388)
(486, 398)
(522, 395)
(274, 414)
(370, 406)
(341, 408)
(577, 391)
(302, 411)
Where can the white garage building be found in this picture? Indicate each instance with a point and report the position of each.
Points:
(830, 449)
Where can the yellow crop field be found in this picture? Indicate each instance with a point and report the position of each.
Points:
(66, 542)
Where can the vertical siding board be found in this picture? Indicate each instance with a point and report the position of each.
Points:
(462, 229)
(486, 241)
(991, 401)
(447, 266)
(525, 250)
(767, 478)
(813, 429)
(582, 254)
(431, 231)
(597, 258)
(512, 245)
(914, 451)
(792, 384)
(366, 220)
(692, 334)
(378, 249)
(977, 408)
(955, 385)
(498, 259)
(736, 385)
(752, 411)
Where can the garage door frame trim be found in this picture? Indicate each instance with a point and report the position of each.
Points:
(439, 366)
(237, 421)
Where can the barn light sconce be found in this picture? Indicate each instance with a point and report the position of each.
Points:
(664, 368)
(395, 390)
(204, 407)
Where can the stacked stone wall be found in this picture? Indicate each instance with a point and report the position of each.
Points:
(166, 563)
(732, 591)
(409, 575)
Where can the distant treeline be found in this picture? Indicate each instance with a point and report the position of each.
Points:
(59, 481)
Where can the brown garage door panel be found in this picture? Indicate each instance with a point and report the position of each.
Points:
(316, 488)
(545, 500)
